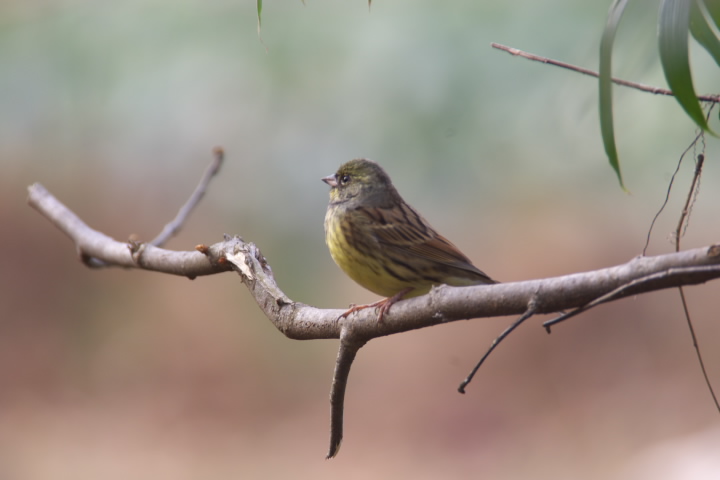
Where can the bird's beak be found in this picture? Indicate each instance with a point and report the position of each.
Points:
(330, 180)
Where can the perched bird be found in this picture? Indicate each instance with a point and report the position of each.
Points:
(383, 244)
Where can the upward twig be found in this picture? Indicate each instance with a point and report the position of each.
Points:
(173, 227)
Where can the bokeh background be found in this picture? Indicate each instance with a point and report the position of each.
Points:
(115, 107)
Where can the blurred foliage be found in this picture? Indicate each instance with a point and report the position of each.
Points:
(677, 20)
(115, 108)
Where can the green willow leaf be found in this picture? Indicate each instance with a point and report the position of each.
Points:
(673, 33)
(606, 112)
(703, 33)
(259, 10)
(713, 9)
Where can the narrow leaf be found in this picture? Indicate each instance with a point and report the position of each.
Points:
(259, 15)
(673, 32)
(259, 10)
(703, 32)
(713, 9)
(606, 113)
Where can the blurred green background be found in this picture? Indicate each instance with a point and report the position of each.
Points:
(115, 107)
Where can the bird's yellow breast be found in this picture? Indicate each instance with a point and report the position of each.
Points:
(361, 259)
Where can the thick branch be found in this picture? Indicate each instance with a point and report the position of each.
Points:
(443, 304)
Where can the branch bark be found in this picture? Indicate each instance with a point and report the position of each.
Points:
(442, 305)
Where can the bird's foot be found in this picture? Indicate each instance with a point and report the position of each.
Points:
(382, 305)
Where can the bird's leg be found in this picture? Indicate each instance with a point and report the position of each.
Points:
(382, 305)
(389, 302)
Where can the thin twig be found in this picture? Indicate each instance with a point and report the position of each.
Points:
(687, 209)
(585, 71)
(532, 308)
(682, 225)
(697, 349)
(679, 231)
(173, 227)
(669, 189)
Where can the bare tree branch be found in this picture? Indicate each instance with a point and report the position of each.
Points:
(174, 226)
(585, 71)
(442, 305)
(93, 244)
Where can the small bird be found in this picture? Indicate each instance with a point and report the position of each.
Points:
(383, 243)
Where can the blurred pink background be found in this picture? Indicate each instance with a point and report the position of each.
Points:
(118, 374)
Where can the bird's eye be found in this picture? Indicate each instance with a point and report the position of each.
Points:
(344, 179)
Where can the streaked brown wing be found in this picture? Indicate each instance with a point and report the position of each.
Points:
(401, 227)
